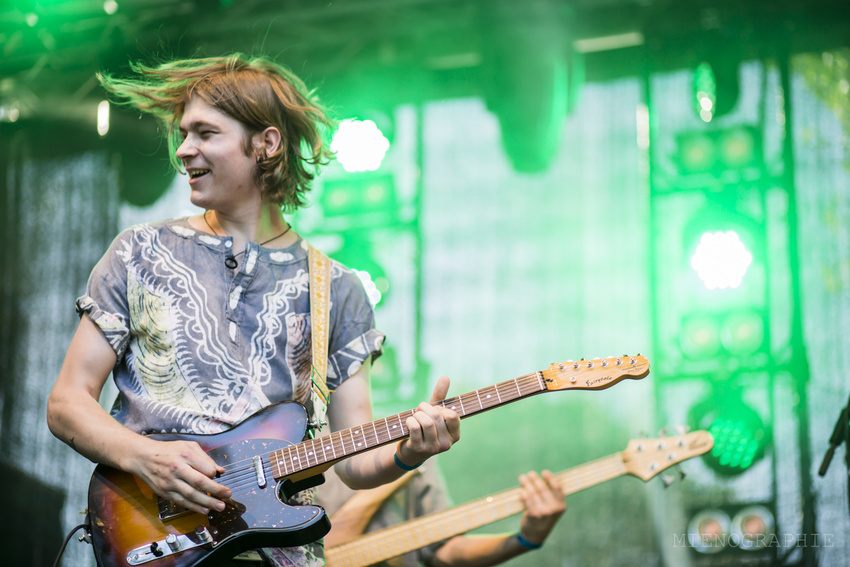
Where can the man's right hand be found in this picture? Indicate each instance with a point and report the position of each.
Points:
(181, 472)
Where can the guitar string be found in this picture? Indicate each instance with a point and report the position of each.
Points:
(240, 475)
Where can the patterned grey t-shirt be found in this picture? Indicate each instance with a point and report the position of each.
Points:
(202, 347)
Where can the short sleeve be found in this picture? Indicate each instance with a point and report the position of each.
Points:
(105, 301)
(353, 337)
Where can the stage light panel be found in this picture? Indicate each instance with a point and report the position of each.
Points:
(740, 434)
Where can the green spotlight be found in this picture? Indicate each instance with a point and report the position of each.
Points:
(359, 145)
(740, 435)
(737, 148)
(705, 89)
(700, 337)
(696, 153)
(742, 333)
(721, 259)
(716, 87)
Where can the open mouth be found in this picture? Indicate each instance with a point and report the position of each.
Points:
(196, 173)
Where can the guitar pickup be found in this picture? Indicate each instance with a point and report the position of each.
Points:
(168, 509)
(261, 474)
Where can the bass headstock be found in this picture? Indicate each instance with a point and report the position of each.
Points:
(645, 458)
(594, 373)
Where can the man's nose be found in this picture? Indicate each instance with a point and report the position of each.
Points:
(186, 148)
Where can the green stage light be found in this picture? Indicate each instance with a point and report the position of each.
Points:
(700, 337)
(696, 153)
(705, 89)
(716, 87)
(740, 435)
(359, 145)
(721, 259)
(742, 333)
(737, 148)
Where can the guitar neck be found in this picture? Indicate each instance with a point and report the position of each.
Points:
(415, 534)
(315, 453)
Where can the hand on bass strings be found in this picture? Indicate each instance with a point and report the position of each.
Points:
(544, 504)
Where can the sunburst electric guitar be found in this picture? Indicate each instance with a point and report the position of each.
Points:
(267, 460)
(345, 547)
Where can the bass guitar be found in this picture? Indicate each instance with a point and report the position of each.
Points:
(267, 460)
(643, 458)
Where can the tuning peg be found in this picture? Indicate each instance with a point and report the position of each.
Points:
(663, 432)
(682, 474)
(667, 480)
(682, 429)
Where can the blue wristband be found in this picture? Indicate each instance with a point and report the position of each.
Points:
(527, 544)
(401, 465)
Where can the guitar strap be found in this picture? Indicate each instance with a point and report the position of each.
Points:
(320, 292)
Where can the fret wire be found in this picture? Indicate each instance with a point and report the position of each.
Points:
(375, 433)
(387, 427)
(312, 451)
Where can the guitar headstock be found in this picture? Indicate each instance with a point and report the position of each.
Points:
(594, 373)
(645, 458)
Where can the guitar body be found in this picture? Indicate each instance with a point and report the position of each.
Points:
(127, 517)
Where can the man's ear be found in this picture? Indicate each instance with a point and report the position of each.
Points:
(267, 142)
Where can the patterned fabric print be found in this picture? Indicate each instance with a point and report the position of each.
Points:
(312, 555)
(200, 347)
(153, 354)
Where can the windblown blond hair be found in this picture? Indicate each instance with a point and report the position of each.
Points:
(255, 91)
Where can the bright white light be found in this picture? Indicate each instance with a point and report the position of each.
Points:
(103, 117)
(371, 289)
(110, 7)
(721, 260)
(705, 115)
(359, 145)
(9, 114)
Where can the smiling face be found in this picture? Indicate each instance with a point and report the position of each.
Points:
(213, 152)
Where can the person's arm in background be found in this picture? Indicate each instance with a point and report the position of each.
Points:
(544, 504)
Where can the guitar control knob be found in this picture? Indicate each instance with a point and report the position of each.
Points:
(203, 534)
(173, 542)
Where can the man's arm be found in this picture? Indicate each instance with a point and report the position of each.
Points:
(544, 504)
(179, 471)
(433, 430)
